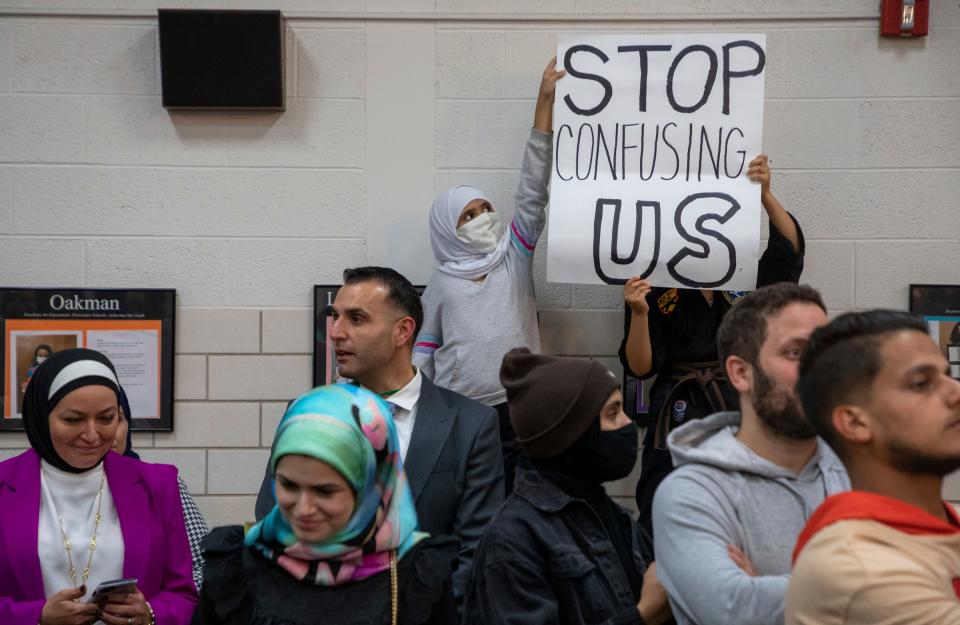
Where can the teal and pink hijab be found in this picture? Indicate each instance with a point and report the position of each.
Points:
(352, 430)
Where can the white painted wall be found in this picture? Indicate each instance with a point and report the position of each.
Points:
(388, 102)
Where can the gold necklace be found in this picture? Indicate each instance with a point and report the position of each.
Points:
(394, 589)
(68, 546)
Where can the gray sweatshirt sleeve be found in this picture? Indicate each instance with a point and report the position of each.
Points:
(430, 334)
(532, 196)
(692, 528)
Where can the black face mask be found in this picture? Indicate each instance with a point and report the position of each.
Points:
(609, 455)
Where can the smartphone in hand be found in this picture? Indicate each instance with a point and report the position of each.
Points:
(114, 586)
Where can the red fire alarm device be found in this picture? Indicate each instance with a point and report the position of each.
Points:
(904, 18)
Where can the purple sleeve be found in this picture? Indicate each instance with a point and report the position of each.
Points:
(175, 603)
(20, 612)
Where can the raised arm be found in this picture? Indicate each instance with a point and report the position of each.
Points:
(759, 171)
(543, 113)
(529, 218)
(637, 349)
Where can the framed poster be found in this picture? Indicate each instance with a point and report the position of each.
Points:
(939, 305)
(134, 328)
(324, 354)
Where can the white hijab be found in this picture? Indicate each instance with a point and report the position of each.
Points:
(453, 256)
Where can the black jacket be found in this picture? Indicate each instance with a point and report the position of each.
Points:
(241, 587)
(546, 558)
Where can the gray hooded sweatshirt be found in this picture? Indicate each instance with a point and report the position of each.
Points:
(720, 494)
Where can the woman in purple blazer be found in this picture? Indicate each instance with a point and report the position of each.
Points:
(73, 515)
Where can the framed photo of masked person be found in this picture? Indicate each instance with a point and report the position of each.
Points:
(939, 305)
(134, 328)
(324, 352)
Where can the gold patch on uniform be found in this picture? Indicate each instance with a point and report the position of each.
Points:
(667, 302)
(733, 296)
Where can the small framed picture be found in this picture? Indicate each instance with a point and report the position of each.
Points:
(939, 305)
(324, 352)
(324, 355)
(134, 328)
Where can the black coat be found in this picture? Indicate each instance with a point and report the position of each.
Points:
(241, 587)
(546, 558)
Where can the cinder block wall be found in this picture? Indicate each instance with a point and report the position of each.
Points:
(389, 102)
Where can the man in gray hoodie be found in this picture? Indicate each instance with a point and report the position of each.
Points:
(726, 520)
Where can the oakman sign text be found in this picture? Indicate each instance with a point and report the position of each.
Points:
(59, 302)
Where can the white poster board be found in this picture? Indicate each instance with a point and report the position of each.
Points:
(652, 138)
(136, 357)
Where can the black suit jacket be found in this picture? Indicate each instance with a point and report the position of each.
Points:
(455, 469)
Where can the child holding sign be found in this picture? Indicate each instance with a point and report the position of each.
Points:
(479, 302)
(672, 334)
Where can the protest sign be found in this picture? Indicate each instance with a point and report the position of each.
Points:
(652, 138)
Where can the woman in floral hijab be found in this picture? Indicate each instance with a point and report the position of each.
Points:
(341, 545)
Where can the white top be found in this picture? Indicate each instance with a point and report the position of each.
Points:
(405, 413)
(74, 496)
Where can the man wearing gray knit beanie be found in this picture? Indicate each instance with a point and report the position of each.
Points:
(559, 550)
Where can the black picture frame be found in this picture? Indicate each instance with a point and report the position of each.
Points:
(939, 305)
(128, 325)
(324, 358)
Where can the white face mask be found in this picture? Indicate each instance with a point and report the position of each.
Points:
(481, 233)
(41, 360)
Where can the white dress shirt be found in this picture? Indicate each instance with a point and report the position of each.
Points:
(405, 413)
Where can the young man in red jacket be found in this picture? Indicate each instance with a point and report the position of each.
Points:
(878, 389)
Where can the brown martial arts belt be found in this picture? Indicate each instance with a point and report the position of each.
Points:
(706, 375)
